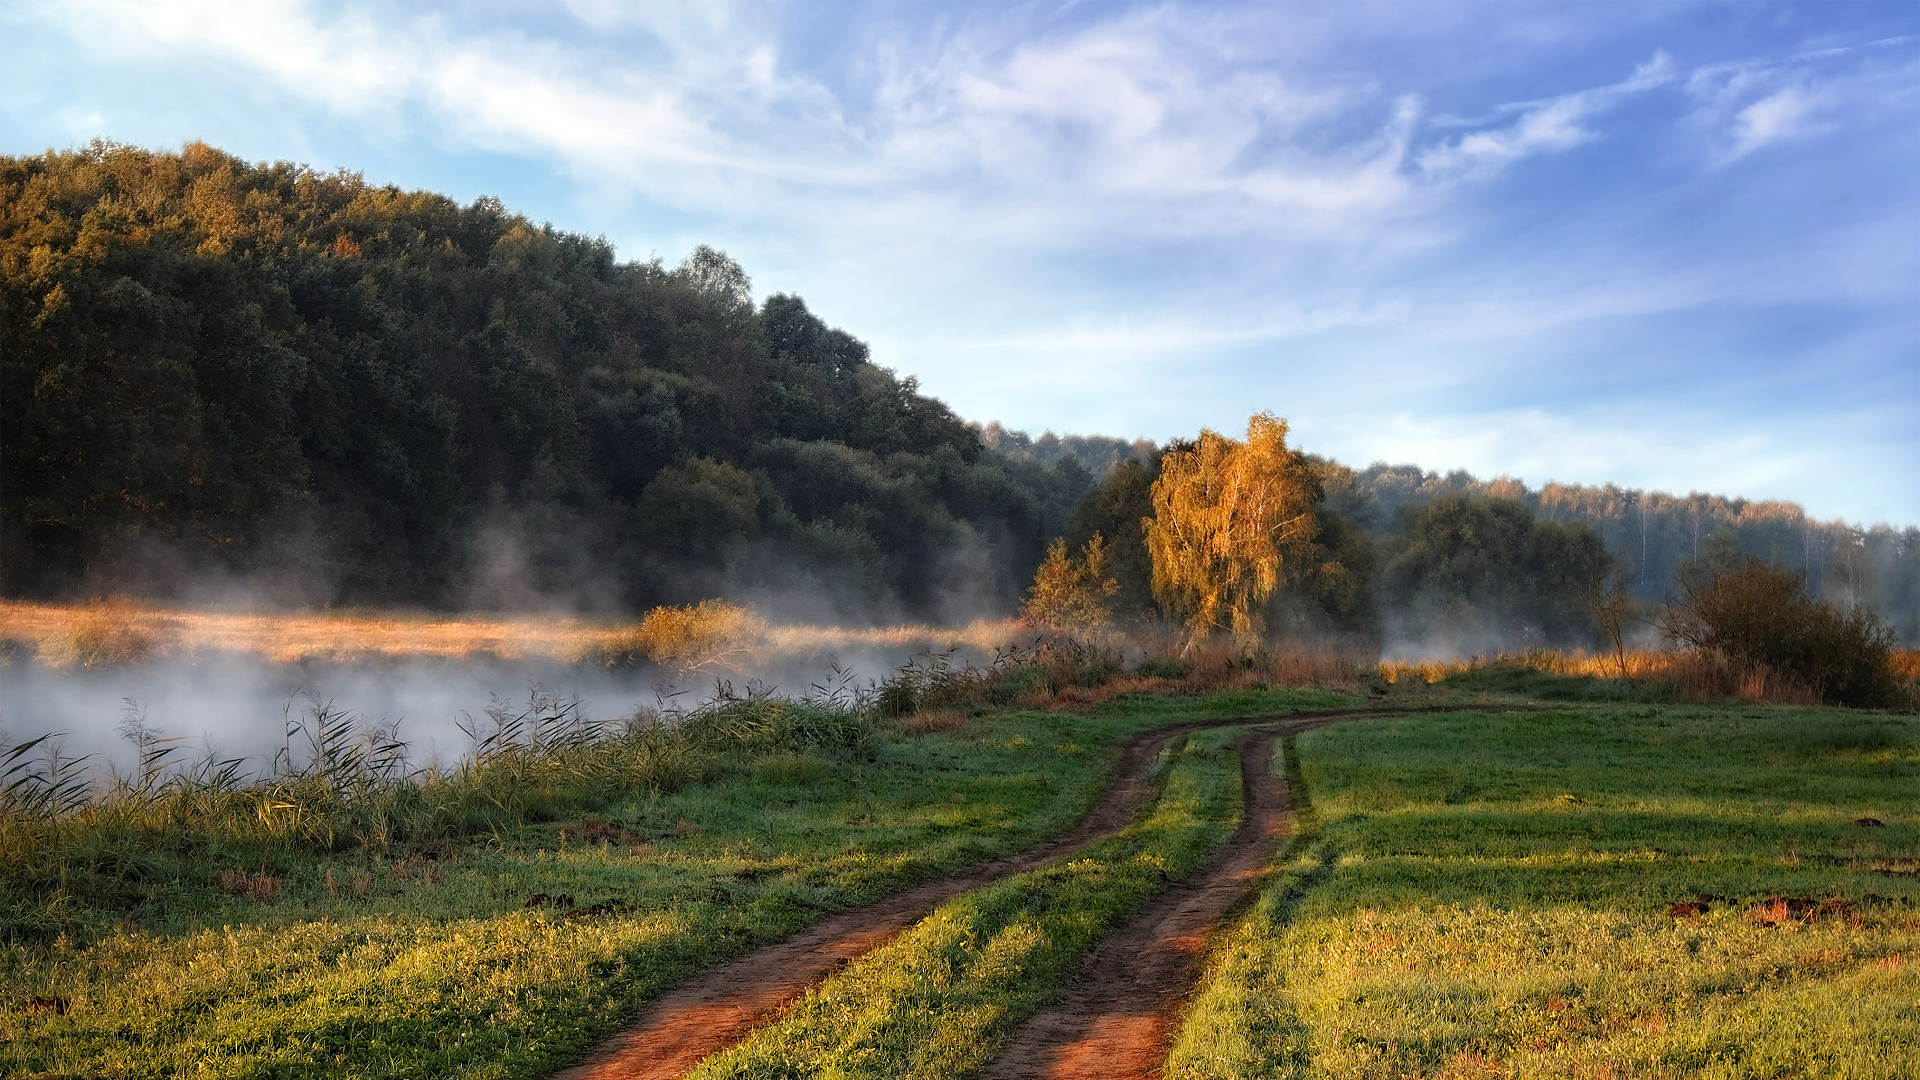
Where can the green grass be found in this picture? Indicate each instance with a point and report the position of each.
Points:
(1488, 896)
(386, 962)
(940, 1000)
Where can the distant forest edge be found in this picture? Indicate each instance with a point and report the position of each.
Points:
(220, 378)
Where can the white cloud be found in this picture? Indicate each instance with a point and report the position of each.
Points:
(1748, 106)
(1145, 120)
(1598, 446)
(1784, 114)
(1536, 128)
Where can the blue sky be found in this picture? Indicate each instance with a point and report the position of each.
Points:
(1669, 245)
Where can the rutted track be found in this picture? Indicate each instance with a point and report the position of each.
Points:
(1112, 1021)
(718, 1007)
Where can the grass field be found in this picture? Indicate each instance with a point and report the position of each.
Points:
(1495, 896)
(428, 962)
(1587, 887)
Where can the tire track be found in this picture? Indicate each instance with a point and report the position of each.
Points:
(718, 1007)
(1113, 1020)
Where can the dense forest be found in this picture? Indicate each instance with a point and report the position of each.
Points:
(333, 392)
(219, 378)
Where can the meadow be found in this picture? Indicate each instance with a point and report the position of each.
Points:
(176, 935)
(1566, 873)
(1595, 892)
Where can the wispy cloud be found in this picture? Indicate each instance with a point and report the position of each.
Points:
(1146, 118)
(1784, 114)
(1530, 129)
(1748, 106)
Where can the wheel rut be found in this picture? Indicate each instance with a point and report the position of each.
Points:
(1114, 1018)
(720, 1006)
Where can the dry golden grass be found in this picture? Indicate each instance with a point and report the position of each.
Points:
(121, 631)
(1688, 676)
(983, 635)
(1209, 667)
(94, 633)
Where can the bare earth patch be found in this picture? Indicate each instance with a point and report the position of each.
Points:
(1114, 1020)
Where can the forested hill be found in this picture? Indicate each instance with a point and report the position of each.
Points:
(338, 392)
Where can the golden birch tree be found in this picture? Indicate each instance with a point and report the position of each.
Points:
(1231, 520)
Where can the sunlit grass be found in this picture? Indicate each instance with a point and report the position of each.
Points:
(1491, 896)
(124, 631)
(363, 964)
(1677, 676)
(423, 959)
(941, 1000)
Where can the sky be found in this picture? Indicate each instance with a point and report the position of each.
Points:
(1664, 245)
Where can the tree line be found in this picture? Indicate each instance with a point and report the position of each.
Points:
(1444, 563)
(1656, 537)
(1240, 536)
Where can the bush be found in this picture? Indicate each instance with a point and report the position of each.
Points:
(1071, 594)
(1760, 617)
(709, 635)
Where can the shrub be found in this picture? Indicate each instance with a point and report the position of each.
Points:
(1906, 665)
(1760, 617)
(697, 637)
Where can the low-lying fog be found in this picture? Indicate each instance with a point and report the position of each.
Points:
(240, 706)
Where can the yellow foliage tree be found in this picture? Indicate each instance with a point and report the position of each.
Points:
(1072, 594)
(1230, 521)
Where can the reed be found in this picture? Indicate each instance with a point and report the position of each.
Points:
(69, 833)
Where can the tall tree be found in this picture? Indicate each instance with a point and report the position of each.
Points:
(1230, 520)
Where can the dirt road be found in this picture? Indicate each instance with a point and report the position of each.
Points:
(1113, 1020)
(1118, 1003)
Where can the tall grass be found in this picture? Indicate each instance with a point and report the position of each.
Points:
(1680, 677)
(709, 635)
(1069, 672)
(69, 834)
